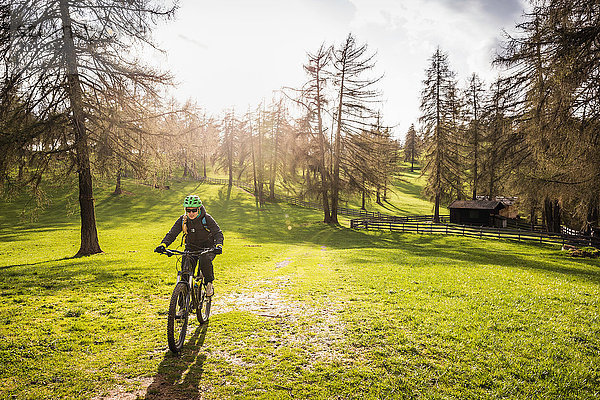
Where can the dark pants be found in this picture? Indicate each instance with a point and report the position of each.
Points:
(205, 266)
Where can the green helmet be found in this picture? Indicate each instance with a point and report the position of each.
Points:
(192, 201)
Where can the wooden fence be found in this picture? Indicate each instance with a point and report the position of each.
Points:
(476, 232)
(351, 212)
(422, 224)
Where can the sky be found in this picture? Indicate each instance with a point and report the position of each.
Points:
(236, 53)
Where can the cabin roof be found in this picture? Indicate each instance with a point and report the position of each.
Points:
(477, 204)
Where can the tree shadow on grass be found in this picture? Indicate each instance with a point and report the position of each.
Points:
(36, 263)
(94, 273)
(478, 254)
(178, 376)
(285, 224)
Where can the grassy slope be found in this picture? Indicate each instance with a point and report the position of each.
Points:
(346, 315)
(404, 197)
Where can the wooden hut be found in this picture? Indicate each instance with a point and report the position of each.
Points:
(474, 212)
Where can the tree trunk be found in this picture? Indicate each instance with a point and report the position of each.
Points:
(253, 164)
(364, 195)
(532, 217)
(89, 234)
(475, 145)
(556, 217)
(273, 172)
(118, 188)
(385, 188)
(475, 177)
(260, 175)
(436, 210)
(322, 169)
(491, 193)
(592, 221)
(336, 156)
(230, 151)
(552, 215)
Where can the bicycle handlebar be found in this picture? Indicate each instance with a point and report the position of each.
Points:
(170, 252)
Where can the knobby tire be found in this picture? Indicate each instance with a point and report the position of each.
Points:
(204, 302)
(178, 317)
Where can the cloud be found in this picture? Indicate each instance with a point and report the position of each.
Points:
(246, 49)
(501, 12)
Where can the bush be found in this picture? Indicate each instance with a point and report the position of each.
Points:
(590, 252)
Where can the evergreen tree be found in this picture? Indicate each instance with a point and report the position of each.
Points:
(411, 147)
(437, 111)
(474, 95)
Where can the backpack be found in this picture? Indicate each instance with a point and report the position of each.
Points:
(184, 224)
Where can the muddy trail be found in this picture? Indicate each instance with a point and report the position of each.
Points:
(316, 331)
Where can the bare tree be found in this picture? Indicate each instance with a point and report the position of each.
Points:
(355, 101)
(71, 57)
(313, 99)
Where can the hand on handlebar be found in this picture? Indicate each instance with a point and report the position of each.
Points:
(219, 249)
(160, 249)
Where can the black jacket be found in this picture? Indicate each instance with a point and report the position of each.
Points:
(198, 235)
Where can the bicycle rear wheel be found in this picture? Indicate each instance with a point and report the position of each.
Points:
(204, 302)
(178, 317)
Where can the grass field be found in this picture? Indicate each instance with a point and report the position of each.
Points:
(302, 310)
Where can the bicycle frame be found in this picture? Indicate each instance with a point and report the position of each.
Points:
(186, 261)
(188, 296)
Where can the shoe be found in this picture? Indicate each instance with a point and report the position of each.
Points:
(209, 289)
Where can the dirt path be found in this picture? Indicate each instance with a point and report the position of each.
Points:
(315, 330)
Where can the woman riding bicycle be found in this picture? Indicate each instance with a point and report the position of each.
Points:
(200, 231)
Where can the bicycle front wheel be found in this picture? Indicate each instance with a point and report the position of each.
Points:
(203, 311)
(178, 317)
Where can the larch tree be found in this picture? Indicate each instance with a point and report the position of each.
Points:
(355, 103)
(553, 63)
(411, 147)
(436, 118)
(474, 95)
(314, 102)
(70, 57)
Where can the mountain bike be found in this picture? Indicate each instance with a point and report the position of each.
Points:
(189, 295)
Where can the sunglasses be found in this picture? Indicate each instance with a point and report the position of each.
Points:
(191, 210)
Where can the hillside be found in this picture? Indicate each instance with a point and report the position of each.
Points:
(302, 310)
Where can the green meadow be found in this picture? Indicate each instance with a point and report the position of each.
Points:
(301, 309)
